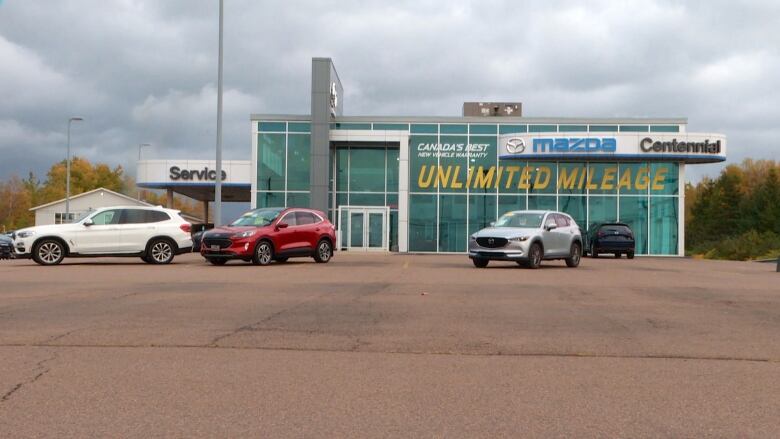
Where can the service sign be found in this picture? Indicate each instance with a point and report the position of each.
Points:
(692, 148)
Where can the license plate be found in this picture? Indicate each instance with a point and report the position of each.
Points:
(214, 248)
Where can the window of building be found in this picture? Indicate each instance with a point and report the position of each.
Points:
(63, 218)
(298, 168)
(542, 128)
(452, 223)
(271, 162)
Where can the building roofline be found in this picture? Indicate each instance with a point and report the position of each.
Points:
(485, 120)
(83, 194)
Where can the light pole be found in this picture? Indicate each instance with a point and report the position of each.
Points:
(67, 171)
(140, 145)
(218, 182)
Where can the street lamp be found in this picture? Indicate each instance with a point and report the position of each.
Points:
(140, 145)
(218, 182)
(67, 171)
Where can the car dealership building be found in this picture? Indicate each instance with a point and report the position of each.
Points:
(424, 184)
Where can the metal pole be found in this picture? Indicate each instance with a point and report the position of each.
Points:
(218, 183)
(67, 172)
(140, 145)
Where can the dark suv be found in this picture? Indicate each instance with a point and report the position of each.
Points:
(615, 238)
(271, 234)
(6, 247)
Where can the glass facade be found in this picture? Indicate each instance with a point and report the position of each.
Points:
(458, 185)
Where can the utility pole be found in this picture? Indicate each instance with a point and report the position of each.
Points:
(67, 171)
(218, 182)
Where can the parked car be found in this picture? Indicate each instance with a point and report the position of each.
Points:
(616, 238)
(155, 234)
(6, 247)
(528, 237)
(197, 238)
(271, 234)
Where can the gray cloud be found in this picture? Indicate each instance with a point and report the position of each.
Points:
(145, 71)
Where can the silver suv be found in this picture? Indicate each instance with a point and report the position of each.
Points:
(527, 237)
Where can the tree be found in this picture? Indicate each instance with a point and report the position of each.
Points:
(83, 177)
(15, 204)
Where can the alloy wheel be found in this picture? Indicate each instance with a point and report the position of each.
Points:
(161, 252)
(324, 251)
(264, 253)
(50, 252)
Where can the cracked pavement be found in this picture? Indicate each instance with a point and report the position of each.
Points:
(619, 348)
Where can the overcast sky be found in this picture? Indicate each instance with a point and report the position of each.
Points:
(145, 71)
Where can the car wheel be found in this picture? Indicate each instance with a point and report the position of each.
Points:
(264, 253)
(535, 256)
(217, 261)
(324, 251)
(281, 259)
(574, 255)
(160, 251)
(49, 252)
(617, 255)
(480, 262)
(630, 255)
(593, 252)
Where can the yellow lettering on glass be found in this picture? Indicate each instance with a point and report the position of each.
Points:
(608, 179)
(642, 179)
(658, 180)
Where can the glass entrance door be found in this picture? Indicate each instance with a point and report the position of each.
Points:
(363, 228)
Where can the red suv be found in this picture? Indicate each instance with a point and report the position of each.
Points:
(264, 235)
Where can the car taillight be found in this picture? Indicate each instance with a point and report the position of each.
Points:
(186, 227)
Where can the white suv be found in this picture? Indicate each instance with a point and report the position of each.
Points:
(153, 233)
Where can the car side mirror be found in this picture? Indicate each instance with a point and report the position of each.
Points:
(549, 227)
(492, 224)
(281, 226)
(88, 222)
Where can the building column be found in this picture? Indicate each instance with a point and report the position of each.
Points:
(169, 203)
(206, 211)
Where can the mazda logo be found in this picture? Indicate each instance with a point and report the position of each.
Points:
(491, 241)
(515, 145)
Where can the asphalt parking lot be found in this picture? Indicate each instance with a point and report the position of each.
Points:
(389, 346)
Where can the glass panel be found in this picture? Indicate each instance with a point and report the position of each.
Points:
(375, 229)
(664, 216)
(422, 163)
(356, 229)
(542, 177)
(664, 128)
(542, 202)
(603, 128)
(343, 226)
(299, 127)
(366, 199)
(366, 170)
(297, 199)
(392, 200)
(342, 199)
(392, 170)
(270, 199)
(571, 178)
(602, 178)
(574, 206)
(483, 174)
(483, 129)
(573, 128)
(419, 128)
(542, 128)
(452, 223)
(664, 178)
(298, 153)
(342, 169)
(601, 210)
(634, 128)
(633, 211)
(508, 129)
(482, 211)
(350, 126)
(422, 223)
(270, 167)
(453, 129)
(451, 175)
(271, 126)
(392, 126)
(393, 230)
(514, 176)
(634, 178)
(508, 203)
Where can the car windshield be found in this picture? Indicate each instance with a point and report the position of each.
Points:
(257, 218)
(520, 219)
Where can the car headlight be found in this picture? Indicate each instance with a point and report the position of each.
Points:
(519, 239)
(25, 234)
(246, 234)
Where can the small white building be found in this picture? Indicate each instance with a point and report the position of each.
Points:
(54, 212)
